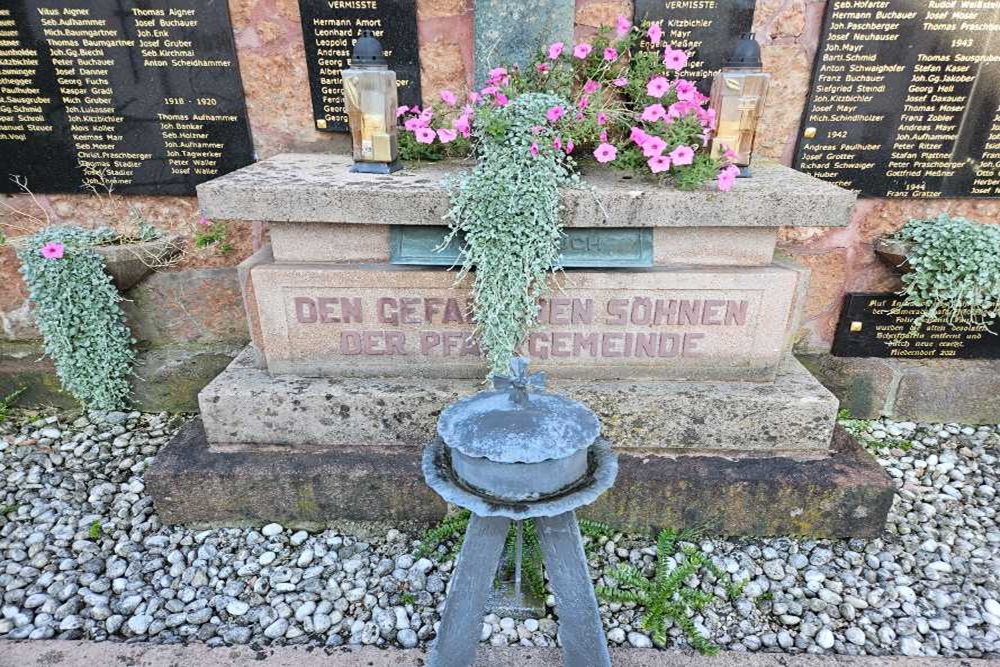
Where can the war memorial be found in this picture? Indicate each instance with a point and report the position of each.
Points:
(279, 277)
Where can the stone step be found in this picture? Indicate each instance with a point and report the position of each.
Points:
(846, 494)
(247, 409)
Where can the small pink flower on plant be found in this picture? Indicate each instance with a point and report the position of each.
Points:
(501, 100)
(674, 59)
(727, 177)
(653, 113)
(569, 146)
(584, 102)
(555, 50)
(604, 136)
(658, 163)
(414, 123)
(602, 118)
(638, 136)
(653, 146)
(657, 86)
(448, 97)
(622, 26)
(707, 118)
(620, 82)
(53, 250)
(534, 150)
(498, 75)
(462, 125)
(686, 91)
(729, 153)
(425, 135)
(678, 109)
(582, 50)
(591, 86)
(682, 155)
(473, 97)
(610, 54)
(542, 67)
(655, 33)
(446, 135)
(555, 113)
(401, 110)
(204, 222)
(605, 153)
(488, 90)
(557, 143)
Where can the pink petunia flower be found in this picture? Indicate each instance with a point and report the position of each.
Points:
(534, 150)
(591, 86)
(569, 146)
(610, 54)
(501, 100)
(682, 155)
(658, 163)
(620, 82)
(678, 109)
(582, 50)
(653, 146)
(653, 113)
(414, 123)
(498, 76)
(474, 97)
(685, 90)
(446, 135)
(674, 59)
(204, 222)
(542, 67)
(602, 118)
(727, 177)
(605, 153)
(655, 33)
(425, 135)
(657, 86)
(604, 136)
(557, 143)
(555, 50)
(488, 90)
(536, 129)
(53, 250)
(555, 113)
(462, 125)
(729, 153)
(584, 102)
(622, 26)
(638, 136)
(401, 110)
(448, 97)
(707, 118)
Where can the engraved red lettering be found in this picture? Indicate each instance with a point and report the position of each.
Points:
(373, 343)
(665, 311)
(736, 313)
(645, 344)
(350, 342)
(326, 310)
(395, 342)
(710, 314)
(561, 341)
(451, 340)
(559, 311)
(387, 310)
(618, 310)
(428, 341)
(350, 310)
(305, 310)
(670, 345)
(627, 348)
(583, 311)
(642, 310)
(584, 341)
(689, 311)
(408, 313)
(432, 306)
(534, 351)
(452, 311)
(691, 344)
(606, 345)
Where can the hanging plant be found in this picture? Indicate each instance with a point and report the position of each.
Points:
(954, 270)
(617, 99)
(77, 310)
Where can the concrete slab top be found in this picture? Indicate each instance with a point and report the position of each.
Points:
(315, 187)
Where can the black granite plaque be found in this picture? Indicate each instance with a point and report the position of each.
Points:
(905, 99)
(330, 28)
(878, 325)
(707, 29)
(144, 95)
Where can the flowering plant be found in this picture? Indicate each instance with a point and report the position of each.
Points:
(623, 102)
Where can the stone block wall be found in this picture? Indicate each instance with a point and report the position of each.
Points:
(273, 67)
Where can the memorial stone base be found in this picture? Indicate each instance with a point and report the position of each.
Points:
(682, 348)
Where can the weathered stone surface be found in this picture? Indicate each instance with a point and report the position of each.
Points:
(24, 366)
(169, 378)
(245, 408)
(963, 391)
(846, 494)
(193, 485)
(865, 387)
(319, 188)
(319, 242)
(371, 320)
(512, 33)
(714, 246)
(263, 256)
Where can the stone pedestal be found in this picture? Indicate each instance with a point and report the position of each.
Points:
(686, 359)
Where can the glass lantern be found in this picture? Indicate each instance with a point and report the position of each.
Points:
(738, 93)
(370, 98)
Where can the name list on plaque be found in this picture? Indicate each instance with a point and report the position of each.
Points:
(142, 96)
(881, 325)
(706, 29)
(904, 101)
(330, 28)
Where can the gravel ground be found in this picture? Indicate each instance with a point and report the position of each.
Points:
(83, 555)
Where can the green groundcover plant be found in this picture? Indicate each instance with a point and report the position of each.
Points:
(77, 310)
(618, 99)
(954, 270)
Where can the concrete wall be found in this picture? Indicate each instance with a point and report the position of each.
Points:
(272, 61)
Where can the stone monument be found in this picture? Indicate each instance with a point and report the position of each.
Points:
(686, 360)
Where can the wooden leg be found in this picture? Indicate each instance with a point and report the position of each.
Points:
(580, 628)
(462, 621)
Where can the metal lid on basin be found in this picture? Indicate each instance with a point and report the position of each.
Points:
(511, 425)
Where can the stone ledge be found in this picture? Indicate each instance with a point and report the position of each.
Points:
(935, 390)
(846, 494)
(245, 408)
(318, 187)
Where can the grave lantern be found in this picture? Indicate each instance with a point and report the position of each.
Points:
(370, 99)
(737, 97)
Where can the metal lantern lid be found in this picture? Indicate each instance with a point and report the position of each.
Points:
(518, 421)
(368, 52)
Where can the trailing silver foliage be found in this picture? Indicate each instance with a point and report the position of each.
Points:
(508, 210)
(77, 311)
